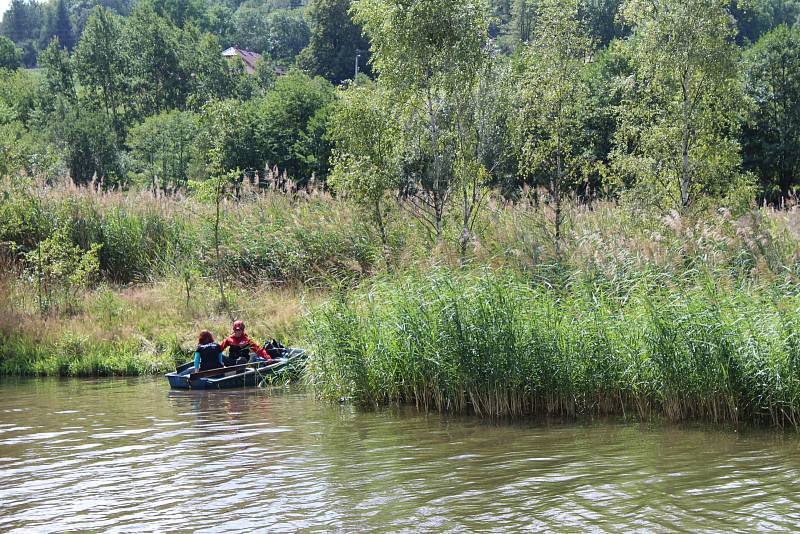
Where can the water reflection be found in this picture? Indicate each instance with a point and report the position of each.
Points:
(122, 455)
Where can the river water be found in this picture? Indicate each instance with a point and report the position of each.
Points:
(122, 455)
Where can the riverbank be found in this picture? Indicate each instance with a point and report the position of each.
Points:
(628, 312)
(142, 329)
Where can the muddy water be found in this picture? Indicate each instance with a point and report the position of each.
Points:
(129, 455)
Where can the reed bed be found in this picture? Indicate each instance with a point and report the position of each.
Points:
(496, 344)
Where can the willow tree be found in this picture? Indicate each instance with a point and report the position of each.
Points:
(426, 52)
(679, 119)
(551, 104)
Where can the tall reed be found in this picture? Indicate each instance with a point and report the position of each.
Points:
(496, 344)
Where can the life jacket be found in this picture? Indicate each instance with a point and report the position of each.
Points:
(235, 351)
(209, 356)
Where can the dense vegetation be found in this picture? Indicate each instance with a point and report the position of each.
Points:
(494, 344)
(552, 206)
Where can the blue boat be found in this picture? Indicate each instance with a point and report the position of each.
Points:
(252, 374)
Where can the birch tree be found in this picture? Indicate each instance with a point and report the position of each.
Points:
(679, 120)
(426, 51)
(551, 106)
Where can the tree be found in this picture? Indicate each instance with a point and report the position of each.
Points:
(288, 120)
(228, 132)
(61, 26)
(251, 29)
(99, 64)
(602, 20)
(179, 12)
(22, 23)
(20, 96)
(288, 35)
(482, 141)
(364, 163)
(551, 103)
(219, 21)
(335, 42)
(60, 85)
(426, 53)
(152, 51)
(678, 124)
(10, 55)
(162, 148)
(756, 17)
(211, 76)
(772, 136)
(15, 147)
(90, 146)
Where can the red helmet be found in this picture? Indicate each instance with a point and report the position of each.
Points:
(238, 325)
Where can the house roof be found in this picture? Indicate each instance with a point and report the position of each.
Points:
(249, 58)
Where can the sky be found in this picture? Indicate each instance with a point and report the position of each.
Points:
(4, 5)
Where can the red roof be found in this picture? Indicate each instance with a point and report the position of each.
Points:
(249, 58)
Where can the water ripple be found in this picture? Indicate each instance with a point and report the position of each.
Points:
(127, 455)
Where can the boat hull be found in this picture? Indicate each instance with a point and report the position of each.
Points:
(290, 364)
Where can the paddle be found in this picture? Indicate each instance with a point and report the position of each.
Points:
(222, 370)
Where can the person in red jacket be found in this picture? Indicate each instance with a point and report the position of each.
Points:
(239, 346)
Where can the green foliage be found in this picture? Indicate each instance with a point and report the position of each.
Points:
(98, 64)
(59, 76)
(424, 45)
(20, 96)
(772, 136)
(364, 163)
(678, 124)
(495, 345)
(90, 146)
(162, 148)
(334, 43)
(227, 137)
(16, 147)
(60, 26)
(250, 28)
(290, 120)
(279, 34)
(552, 98)
(72, 355)
(289, 34)
(429, 56)
(58, 269)
(756, 17)
(10, 55)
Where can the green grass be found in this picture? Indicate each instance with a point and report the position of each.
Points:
(143, 329)
(73, 356)
(497, 345)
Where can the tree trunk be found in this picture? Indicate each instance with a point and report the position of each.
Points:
(384, 239)
(220, 281)
(685, 174)
(466, 213)
(438, 203)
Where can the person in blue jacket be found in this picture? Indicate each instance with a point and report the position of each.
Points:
(208, 354)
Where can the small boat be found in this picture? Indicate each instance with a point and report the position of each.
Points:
(252, 374)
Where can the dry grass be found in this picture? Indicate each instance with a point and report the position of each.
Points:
(149, 321)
